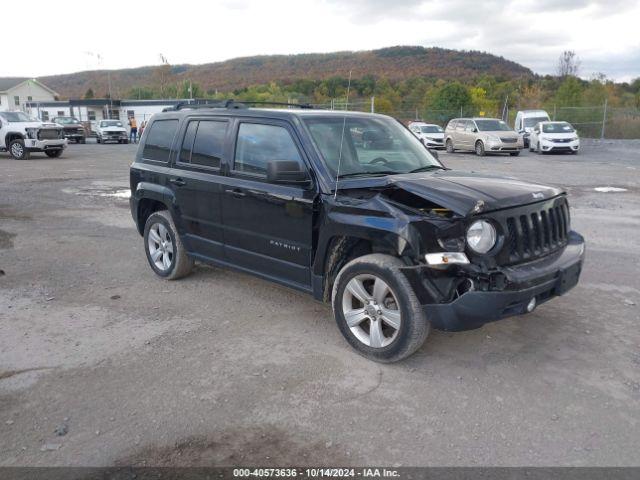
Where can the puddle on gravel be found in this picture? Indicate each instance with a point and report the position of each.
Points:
(100, 191)
(610, 189)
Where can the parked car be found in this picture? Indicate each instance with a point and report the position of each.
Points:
(482, 135)
(431, 135)
(526, 120)
(73, 129)
(396, 242)
(111, 131)
(21, 135)
(554, 137)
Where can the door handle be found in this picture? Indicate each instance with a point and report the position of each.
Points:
(178, 181)
(236, 192)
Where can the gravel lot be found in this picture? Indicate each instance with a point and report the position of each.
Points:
(224, 369)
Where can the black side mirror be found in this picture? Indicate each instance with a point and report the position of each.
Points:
(434, 153)
(286, 171)
(474, 130)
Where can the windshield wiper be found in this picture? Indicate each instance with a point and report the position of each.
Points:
(426, 168)
(368, 174)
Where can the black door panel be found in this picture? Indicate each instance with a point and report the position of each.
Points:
(268, 228)
(194, 180)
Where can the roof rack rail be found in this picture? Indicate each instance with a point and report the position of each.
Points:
(231, 104)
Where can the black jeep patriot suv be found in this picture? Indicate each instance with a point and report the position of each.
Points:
(353, 209)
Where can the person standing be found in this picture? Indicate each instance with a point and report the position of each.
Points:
(133, 134)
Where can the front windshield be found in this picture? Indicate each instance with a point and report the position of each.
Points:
(66, 120)
(532, 121)
(559, 127)
(492, 126)
(16, 117)
(431, 129)
(369, 146)
(110, 123)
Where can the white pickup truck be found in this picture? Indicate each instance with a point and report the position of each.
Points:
(21, 135)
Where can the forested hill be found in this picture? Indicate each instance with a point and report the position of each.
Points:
(394, 63)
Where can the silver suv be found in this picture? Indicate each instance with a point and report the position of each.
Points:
(482, 135)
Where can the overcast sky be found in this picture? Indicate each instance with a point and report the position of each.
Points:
(53, 37)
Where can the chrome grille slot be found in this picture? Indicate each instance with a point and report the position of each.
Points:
(48, 134)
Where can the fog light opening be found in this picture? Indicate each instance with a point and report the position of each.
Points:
(531, 306)
(465, 286)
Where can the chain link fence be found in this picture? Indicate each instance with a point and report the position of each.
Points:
(590, 121)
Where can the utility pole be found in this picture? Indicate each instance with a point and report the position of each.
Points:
(604, 119)
(373, 104)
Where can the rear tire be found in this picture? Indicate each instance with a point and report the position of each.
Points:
(393, 324)
(165, 252)
(449, 146)
(17, 150)
(97, 139)
(480, 149)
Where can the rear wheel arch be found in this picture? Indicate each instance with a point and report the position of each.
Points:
(147, 207)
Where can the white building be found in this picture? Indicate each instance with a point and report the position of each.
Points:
(96, 109)
(15, 93)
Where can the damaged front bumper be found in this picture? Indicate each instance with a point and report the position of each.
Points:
(34, 145)
(505, 292)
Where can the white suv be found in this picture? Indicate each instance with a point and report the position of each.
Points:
(21, 135)
(430, 134)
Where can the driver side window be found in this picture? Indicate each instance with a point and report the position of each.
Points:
(258, 144)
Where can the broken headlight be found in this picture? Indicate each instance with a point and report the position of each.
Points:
(32, 132)
(481, 236)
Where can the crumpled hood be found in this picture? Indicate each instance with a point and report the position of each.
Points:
(466, 192)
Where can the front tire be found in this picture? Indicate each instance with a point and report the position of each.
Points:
(377, 310)
(17, 150)
(53, 153)
(165, 252)
(480, 148)
(514, 154)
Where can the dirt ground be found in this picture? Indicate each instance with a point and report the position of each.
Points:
(102, 363)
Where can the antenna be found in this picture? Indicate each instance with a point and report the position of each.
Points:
(344, 122)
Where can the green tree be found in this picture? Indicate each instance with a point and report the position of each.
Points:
(89, 94)
(452, 96)
(569, 92)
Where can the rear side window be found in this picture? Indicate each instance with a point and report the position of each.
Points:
(187, 143)
(258, 144)
(461, 125)
(452, 125)
(209, 142)
(158, 144)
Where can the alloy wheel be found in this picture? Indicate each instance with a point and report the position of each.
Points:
(17, 150)
(371, 310)
(160, 247)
